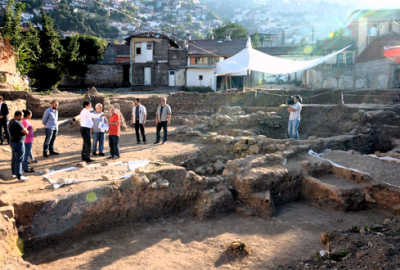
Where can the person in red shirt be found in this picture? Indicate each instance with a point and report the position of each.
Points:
(114, 133)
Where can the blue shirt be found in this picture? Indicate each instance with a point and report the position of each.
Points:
(50, 119)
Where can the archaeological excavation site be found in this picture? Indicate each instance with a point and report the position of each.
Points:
(228, 190)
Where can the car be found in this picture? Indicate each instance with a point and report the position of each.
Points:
(277, 79)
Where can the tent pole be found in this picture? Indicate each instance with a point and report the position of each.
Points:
(247, 80)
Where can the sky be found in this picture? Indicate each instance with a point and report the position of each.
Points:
(370, 4)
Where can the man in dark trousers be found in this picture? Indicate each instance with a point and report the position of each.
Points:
(50, 119)
(138, 119)
(18, 133)
(163, 119)
(86, 125)
(4, 134)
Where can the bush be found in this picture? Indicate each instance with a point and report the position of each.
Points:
(199, 89)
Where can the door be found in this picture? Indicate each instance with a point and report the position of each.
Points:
(147, 76)
(171, 78)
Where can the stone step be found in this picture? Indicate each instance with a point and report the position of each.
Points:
(335, 193)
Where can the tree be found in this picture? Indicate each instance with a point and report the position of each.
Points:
(50, 67)
(189, 17)
(255, 40)
(237, 31)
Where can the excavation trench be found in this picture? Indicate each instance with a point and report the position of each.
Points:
(242, 179)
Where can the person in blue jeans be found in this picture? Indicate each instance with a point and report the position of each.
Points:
(17, 139)
(294, 117)
(98, 134)
(50, 118)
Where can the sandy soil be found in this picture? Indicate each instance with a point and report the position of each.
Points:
(379, 170)
(69, 147)
(186, 243)
(115, 171)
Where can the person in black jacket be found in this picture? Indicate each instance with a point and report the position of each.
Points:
(4, 134)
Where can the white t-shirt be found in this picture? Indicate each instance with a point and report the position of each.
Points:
(86, 118)
(296, 114)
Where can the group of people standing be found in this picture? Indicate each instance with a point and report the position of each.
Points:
(19, 132)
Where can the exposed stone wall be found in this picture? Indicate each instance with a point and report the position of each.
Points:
(15, 105)
(160, 50)
(8, 64)
(378, 74)
(101, 75)
(14, 80)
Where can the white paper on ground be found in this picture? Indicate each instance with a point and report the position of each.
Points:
(131, 166)
(313, 154)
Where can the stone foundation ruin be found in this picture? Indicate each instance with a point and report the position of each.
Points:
(246, 165)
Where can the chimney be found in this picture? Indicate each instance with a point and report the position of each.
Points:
(112, 40)
(189, 36)
(228, 37)
(212, 36)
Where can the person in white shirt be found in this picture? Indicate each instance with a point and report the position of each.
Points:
(86, 125)
(139, 115)
(294, 117)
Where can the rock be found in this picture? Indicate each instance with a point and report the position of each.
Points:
(244, 211)
(5, 198)
(141, 180)
(104, 163)
(201, 170)
(197, 178)
(46, 171)
(219, 166)
(81, 164)
(270, 148)
(311, 138)
(235, 245)
(254, 148)
(323, 253)
(190, 175)
(368, 198)
(7, 210)
(387, 221)
(106, 177)
(243, 140)
(153, 186)
(252, 141)
(210, 170)
(6, 149)
(163, 183)
(305, 163)
(214, 179)
(280, 146)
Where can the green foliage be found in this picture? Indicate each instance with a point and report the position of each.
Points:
(255, 40)
(355, 229)
(237, 31)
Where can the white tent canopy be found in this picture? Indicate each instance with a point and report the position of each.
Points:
(251, 59)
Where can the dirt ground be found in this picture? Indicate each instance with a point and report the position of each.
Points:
(69, 147)
(186, 243)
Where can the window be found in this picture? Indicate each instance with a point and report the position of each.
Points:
(200, 77)
(349, 58)
(340, 58)
(371, 31)
(171, 72)
(149, 47)
(138, 50)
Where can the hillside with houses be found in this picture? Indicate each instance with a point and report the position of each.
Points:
(120, 18)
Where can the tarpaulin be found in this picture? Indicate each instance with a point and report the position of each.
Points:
(392, 52)
(251, 59)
